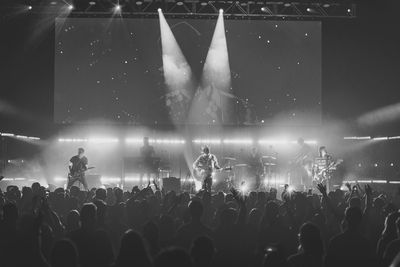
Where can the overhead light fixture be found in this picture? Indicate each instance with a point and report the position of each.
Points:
(92, 3)
(139, 3)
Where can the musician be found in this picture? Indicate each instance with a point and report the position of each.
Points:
(322, 164)
(205, 164)
(303, 164)
(147, 154)
(255, 165)
(77, 166)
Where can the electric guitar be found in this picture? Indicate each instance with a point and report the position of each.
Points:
(321, 174)
(73, 177)
(202, 172)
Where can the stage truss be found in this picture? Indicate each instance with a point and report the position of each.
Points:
(236, 9)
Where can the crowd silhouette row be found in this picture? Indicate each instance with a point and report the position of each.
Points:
(149, 227)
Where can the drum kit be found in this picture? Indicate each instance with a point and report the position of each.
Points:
(243, 173)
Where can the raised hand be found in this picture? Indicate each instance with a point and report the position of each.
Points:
(368, 190)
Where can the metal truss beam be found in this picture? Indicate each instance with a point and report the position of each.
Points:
(200, 8)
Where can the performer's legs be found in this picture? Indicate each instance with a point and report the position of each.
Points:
(84, 182)
(207, 183)
(70, 183)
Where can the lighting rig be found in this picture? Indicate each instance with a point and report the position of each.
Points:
(195, 8)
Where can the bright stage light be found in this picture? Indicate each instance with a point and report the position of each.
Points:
(29, 7)
(238, 141)
(159, 10)
(243, 188)
(70, 7)
(207, 141)
(132, 179)
(290, 189)
(197, 185)
(112, 180)
(380, 138)
(60, 179)
(103, 140)
(221, 11)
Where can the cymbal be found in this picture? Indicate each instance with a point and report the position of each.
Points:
(229, 158)
(268, 157)
(241, 165)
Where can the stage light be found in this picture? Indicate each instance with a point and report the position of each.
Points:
(139, 3)
(349, 10)
(107, 180)
(60, 179)
(238, 141)
(92, 3)
(221, 11)
(243, 188)
(309, 10)
(159, 10)
(197, 185)
(70, 7)
(379, 181)
(287, 4)
(134, 179)
(117, 8)
(391, 164)
(29, 7)
(380, 138)
(326, 5)
(179, 3)
(264, 9)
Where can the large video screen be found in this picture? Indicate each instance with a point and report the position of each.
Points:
(143, 72)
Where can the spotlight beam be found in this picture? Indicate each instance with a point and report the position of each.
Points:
(214, 97)
(178, 75)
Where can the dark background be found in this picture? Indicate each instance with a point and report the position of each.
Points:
(116, 71)
(360, 67)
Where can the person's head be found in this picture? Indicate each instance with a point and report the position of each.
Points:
(195, 209)
(64, 254)
(146, 141)
(175, 257)
(88, 216)
(322, 151)
(101, 194)
(353, 217)
(81, 152)
(119, 193)
(72, 220)
(310, 239)
(202, 251)
(355, 202)
(132, 248)
(205, 150)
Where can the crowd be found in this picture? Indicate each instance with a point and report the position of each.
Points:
(149, 227)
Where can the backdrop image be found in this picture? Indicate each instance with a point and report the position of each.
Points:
(114, 70)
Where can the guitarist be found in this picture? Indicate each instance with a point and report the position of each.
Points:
(77, 166)
(205, 164)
